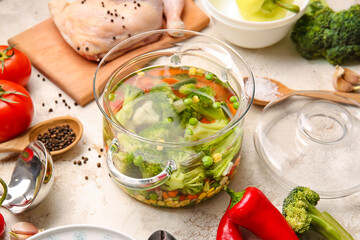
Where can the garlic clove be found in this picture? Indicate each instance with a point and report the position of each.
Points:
(339, 82)
(341, 85)
(14, 236)
(24, 228)
(351, 76)
(339, 71)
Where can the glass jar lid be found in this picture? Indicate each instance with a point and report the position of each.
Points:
(304, 141)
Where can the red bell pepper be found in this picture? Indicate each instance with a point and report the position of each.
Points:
(228, 230)
(252, 210)
(2, 221)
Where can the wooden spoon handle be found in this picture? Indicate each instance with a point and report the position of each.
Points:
(17, 144)
(353, 96)
(340, 97)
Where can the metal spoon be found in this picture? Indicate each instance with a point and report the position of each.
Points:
(19, 143)
(284, 92)
(31, 179)
(161, 235)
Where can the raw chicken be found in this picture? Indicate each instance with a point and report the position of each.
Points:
(93, 27)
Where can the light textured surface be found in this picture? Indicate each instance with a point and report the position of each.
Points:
(74, 200)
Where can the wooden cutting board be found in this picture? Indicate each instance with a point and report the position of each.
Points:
(55, 59)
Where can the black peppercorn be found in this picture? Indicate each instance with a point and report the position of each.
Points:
(58, 137)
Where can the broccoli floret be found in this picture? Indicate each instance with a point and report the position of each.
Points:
(150, 169)
(190, 182)
(188, 113)
(321, 32)
(187, 88)
(163, 105)
(299, 209)
(164, 130)
(130, 92)
(131, 97)
(205, 96)
(164, 88)
(203, 130)
(149, 161)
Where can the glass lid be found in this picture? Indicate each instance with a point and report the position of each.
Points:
(306, 141)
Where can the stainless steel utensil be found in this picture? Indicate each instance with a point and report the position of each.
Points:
(161, 235)
(31, 179)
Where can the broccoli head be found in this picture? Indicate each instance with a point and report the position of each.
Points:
(299, 209)
(130, 92)
(205, 96)
(163, 105)
(321, 32)
(203, 130)
(190, 182)
(164, 130)
(187, 88)
(188, 113)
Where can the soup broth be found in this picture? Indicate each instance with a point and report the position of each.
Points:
(175, 105)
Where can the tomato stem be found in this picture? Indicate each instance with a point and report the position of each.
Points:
(4, 55)
(3, 92)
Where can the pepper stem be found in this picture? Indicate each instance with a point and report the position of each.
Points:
(5, 191)
(288, 6)
(235, 196)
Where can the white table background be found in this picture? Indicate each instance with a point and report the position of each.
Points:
(74, 200)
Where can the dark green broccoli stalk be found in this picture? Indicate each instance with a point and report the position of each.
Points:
(299, 209)
(321, 32)
(190, 182)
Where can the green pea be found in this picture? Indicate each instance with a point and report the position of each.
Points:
(233, 99)
(236, 105)
(138, 160)
(111, 96)
(188, 101)
(193, 121)
(209, 76)
(216, 105)
(207, 161)
(189, 131)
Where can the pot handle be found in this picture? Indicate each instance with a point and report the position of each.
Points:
(136, 183)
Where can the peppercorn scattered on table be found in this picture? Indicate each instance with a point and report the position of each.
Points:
(83, 192)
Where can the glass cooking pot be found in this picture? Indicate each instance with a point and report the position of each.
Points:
(183, 179)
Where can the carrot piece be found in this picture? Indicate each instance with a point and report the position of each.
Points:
(173, 193)
(165, 195)
(204, 120)
(192, 196)
(231, 108)
(170, 80)
(182, 197)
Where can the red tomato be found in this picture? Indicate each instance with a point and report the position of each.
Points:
(16, 110)
(15, 66)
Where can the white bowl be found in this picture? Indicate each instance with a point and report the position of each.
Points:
(249, 34)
